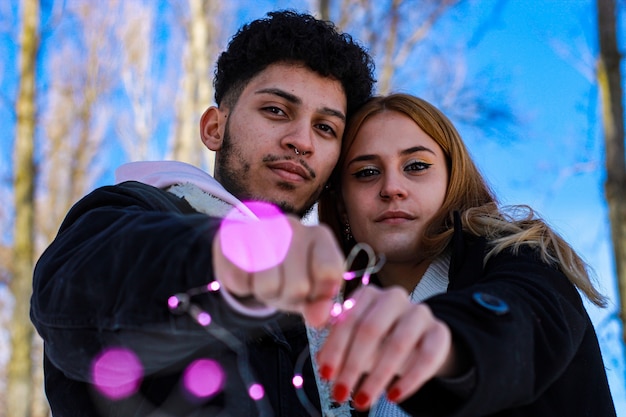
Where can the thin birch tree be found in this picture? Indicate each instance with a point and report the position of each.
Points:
(202, 46)
(612, 110)
(19, 384)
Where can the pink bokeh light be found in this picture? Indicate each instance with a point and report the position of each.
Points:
(256, 245)
(204, 378)
(348, 304)
(297, 381)
(336, 310)
(117, 373)
(256, 391)
(173, 302)
(204, 319)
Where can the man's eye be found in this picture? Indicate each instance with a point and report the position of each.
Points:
(365, 172)
(417, 166)
(326, 129)
(274, 110)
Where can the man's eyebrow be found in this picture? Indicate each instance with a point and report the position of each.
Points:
(297, 100)
(332, 112)
(280, 93)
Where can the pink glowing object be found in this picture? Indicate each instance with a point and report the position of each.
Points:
(256, 245)
(348, 304)
(117, 373)
(204, 319)
(256, 391)
(204, 378)
(336, 310)
(349, 275)
(173, 302)
(297, 381)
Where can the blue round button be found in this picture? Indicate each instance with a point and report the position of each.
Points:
(491, 303)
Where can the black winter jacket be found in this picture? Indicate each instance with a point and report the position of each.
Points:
(124, 250)
(523, 325)
(104, 283)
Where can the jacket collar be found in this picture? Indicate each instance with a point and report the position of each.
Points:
(468, 252)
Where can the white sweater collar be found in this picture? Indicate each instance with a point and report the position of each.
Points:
(164, 174)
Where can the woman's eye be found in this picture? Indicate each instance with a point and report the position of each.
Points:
(365, 172)
(417, 166)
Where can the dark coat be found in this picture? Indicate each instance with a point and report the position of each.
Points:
(124, 250)
(527, 335)
(104, 282)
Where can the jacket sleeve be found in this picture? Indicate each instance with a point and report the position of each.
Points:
(105, 280)
(520, 323)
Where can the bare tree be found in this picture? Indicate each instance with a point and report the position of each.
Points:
(135, 32)
(19, 387)
(391, 29)
(78, 111)
(398, 35)
(196, 88)
(611, 94)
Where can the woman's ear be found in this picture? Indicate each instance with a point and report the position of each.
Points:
(212, 124)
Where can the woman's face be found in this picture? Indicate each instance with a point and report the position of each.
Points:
(393, 182)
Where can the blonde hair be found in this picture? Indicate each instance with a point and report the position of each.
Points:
(467, 194)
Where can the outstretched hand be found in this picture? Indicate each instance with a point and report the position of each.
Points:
(305, 279)
(384, 343)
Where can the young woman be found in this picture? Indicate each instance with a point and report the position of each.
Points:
(476, 311)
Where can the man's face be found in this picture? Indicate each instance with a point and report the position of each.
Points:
(282, 139)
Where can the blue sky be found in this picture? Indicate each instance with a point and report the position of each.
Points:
(556, 163)
(554, 159)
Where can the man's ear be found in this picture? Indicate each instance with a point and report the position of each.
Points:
(212, 124)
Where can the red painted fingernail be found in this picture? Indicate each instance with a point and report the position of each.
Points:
(393, 395)
(326, 372)
(340, 393)
(361, 399)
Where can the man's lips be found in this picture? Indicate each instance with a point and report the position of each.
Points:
(392, 216)
(290, 171)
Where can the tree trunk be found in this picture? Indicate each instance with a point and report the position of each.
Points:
(196, 88)
(610, 86)
(324, 9)
(19, 385)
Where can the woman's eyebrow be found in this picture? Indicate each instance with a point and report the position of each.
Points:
(408, 151)
(417, 149)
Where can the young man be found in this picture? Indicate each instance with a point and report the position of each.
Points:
(130, 256)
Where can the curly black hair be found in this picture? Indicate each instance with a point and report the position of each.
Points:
(288, 36)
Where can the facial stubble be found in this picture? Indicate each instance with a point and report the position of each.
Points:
(233, 172)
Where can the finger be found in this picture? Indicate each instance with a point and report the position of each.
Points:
(332, 352)
(326, 268)
(296, 284)
(284, 284)
(317, 313)
(427, 359)
(326, 264)
(392, 356)
(352, 344)
(266, 286)
(232, 278)
(370, 333)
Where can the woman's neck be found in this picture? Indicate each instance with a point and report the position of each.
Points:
(403, 274)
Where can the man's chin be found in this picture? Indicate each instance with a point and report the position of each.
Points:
(285, 202)
(283, 205)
